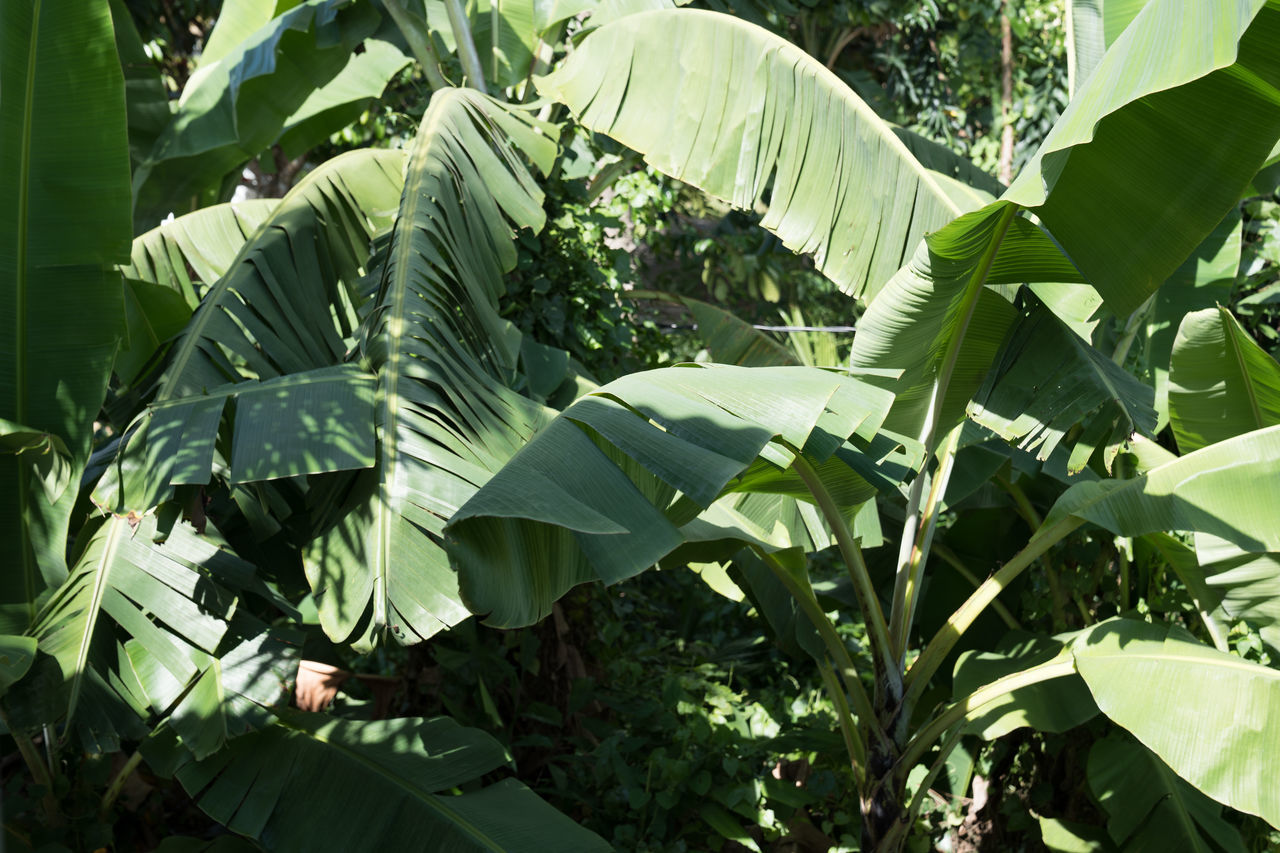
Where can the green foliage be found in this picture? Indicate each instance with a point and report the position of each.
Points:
(322, 409)
(570, 282)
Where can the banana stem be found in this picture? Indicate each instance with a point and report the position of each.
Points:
(949, 634)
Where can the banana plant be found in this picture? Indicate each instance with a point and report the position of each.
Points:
(343, 357)
(974, 315)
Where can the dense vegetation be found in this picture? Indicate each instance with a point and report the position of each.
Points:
(336, 322)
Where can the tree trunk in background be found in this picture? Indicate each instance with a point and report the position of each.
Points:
(1006, 96)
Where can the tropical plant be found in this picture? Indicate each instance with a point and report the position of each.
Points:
(989, 318)
(342, 378)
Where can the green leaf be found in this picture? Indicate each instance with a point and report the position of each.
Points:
(1054, 705)
(1095, 25)
(66, 217)
(942, 297)
(313, 783)
(218, 697)
(146, 99)
(207, 241)
(152, 315)
(310, 422)
(288, 301)
(444, 363)
(1064, 836)
(733, 341)
(45, 455)
(1203, 281)
(1159, 143)
(241, 102)
(343, 99)
(732, 109)
(1230, 489)
(1228, 585)
(157, 593)
(1221, 383)
(1047, 381)
(593, 496)
(1212, 717)
(1149, 807)
(16, 656)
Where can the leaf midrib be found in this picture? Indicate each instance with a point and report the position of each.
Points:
(428, 798)
(102, 576)
(29, 564)
(398, 287)
(1237, 355)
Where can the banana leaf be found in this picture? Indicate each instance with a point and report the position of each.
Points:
(66, 217)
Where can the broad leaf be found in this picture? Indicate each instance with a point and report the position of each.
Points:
(1054, 705)
(65, 215)
(310, 422)
(1230, 489)
(206, 242)
(1095, 25)
(1227, 584)
(941, 300)
(159, 594)
(312, 782)
(1203, 281)
(146, 98)
(287, 304)
(594, 495)
(1159, 143)
(16, 656)
(241, 102)
(443, 358)
(1212, 717)
(1149, 807)
(1047, 381)
(734, 110)
(1221, 383)
(153, 314)
(216, 698)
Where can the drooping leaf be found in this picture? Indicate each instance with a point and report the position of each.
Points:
(1149, 807)
(1230, 490)
(65, 215)
(240, 103)
(1047, 381)
(1221, 383)
(591, 497)
(1054, 705)
(1212, 717)
(444, 359)
(286, 304)
(733, 110)
(941, 298)
(288, 301)
(208, 241)
(157, 593)
(313, 782)
(1159, 143)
